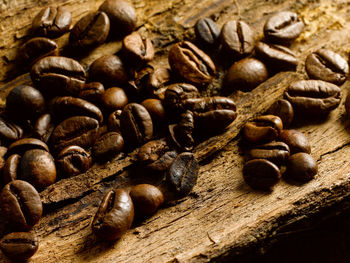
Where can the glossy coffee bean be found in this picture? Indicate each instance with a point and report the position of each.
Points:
(114, 215)
(146, 199)
(90, 31)
(301, 167)
(246, 74)
(324, 64)
(11, 170)
(52, 22)
(283, 109)
(113, 121)
(73, 160)
(92, 92)
(283, 27)
(296, 141)
(313, 96)
(9, 131)
(108, 146)
(19, 246)
(155, 108)
(157, 80)
(261, 174)
(43, 127)
(20, 205)
(207, 32)
(275, 152)
(22, 145)
(137, 49)
(181, 133)
(37, 48)
(114, 99)
(191, 63)
(262, 129)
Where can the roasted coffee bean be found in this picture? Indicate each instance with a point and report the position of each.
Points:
(157, 81)
(136, 124)
(109, 70)
(90, 31)
(313, 96)
(155, 109)
(9, 131)
(324, 64)
(108, 146)
(261, 174)
(136, 87)
(276, 152)
(191, 63)
(237, 39)
(276, 57)
(283, 27)
(146, 199)
(3, 151)
(113, 122)
(52, 22)
(262, 129)
(296, 141)
(92, 92)
(20, 205)
(207, 32)
(137, 49)
(58, 76)
(182, 174)
(301, 167)
(43, 127)
(73, 160)
(22, 145)
(114, 99)
(181, 133)
(38, 168)
(283, 109)
(246, 74)
(78, 130)
(114, 216)
(25, 102)
(65, 107)
(19, 246)
(11, 170)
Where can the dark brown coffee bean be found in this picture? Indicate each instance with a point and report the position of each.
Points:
(90, 31)
(324, 64)
(11, 170)
(113, 122)
(182, 174)
(261, 174)
(136, 87)
(181, 133)
(9, 131)
(114, 216)
(52, 22)
(296, 141)
(20, 204)
(283, 109)
(58, 76)
(92, 92)
(245, 75)
(155, 109)
(301, 167)
(22, 145)
(146, 198)
(19, 246)
(191, 63)
(313, 96)
(108, 146)
(114, 99)
(43, 127)
(157, 80)
(3, 151)
(137, 49)
(276, 152)
(283, 27)
(207, 32)
(262, 129)
(73, 160)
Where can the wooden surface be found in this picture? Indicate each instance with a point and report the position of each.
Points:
(222, 219)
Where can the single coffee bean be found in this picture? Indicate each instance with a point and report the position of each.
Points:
(22, 145)
(146, 199)
(43, 127)
(73, 160)
(262, 129)
(301, 167)
(90, 31)
(113, 121)
(283, 27)
(182, 174)
(261, 174)
(136, 87)
(157, 80)
(20, 204)
(276, 152)
(137, 49)
(313, 96)
(283, 109)
(9, 131)
(114, 99)
(296, 141)
(155, 109)
(181, 133)
(246, 74)
(58, 76)
(191, 63)
(19, 246)
(3, 151)
(207, 32)
(11, 170)
(92, 92)
(108, 146)
(324, 64)
(114, 216)
(52, 22)
(237, 39)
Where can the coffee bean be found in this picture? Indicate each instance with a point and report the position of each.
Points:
(262, 129)
(313, 96)
(182, 174)
(181, 133)
(296, 141)
(157, 80)
(90, 31)
(146, 198)
(52, 22)
(261, 174)
(114, 99)
(245, 75)
(324, 64)
(22, 145)
(73, 160)
(283, 27)
(191, 63)
(92, 92)
(108, 146)
(19, 246)
(43, 127)
(11, 170)
(155, 109)
(58, 76)
(137, 49)
(3, 151)
(283, 109)
(207, 32)
(113, 122)
(114, 216)
(136, 87)
(20, 204)
(9, 131)
(301, 167)
(275, 152)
